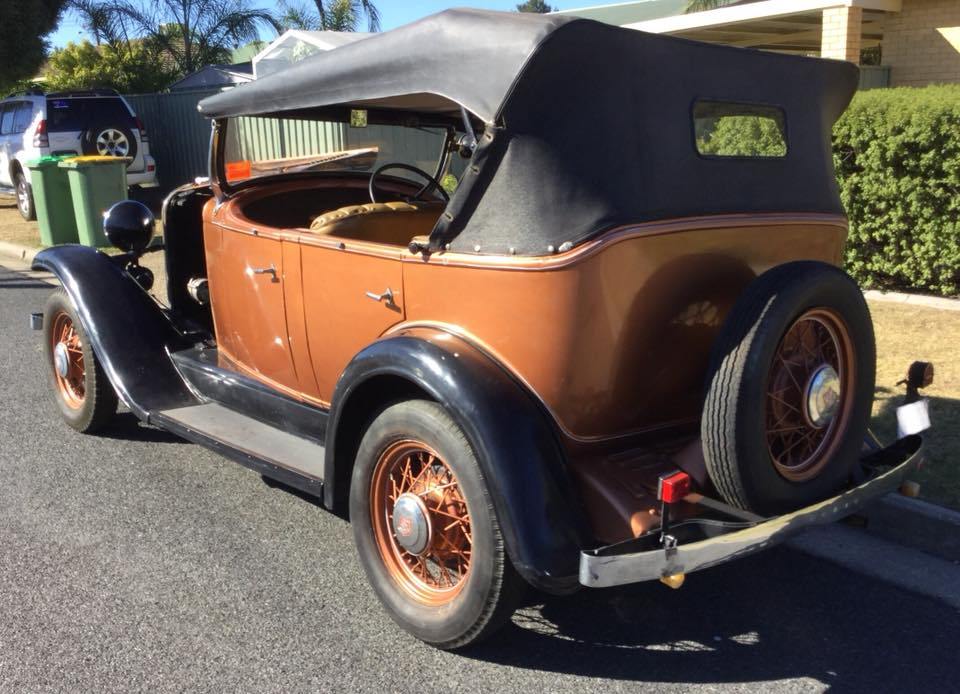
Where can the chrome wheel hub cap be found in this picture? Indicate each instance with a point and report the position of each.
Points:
(61, 359)
(112, 143)
(823, 396)
(411, 523)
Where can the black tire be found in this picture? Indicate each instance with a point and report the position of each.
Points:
(90, 136)
(97, 405)
(25, 203)
(745, 445)
(491, 589)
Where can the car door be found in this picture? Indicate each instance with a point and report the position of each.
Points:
(246, 281)
(351, 296)
(7, 112)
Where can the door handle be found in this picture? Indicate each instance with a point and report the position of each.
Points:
(271, 270)
(388, 295)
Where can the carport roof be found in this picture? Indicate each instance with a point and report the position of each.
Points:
(783, 25)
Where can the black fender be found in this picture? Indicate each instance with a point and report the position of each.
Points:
(127, 329)
(515, 441)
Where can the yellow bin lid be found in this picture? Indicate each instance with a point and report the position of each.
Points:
(86, 160)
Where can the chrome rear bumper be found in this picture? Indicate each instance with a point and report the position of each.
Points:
(622, 563)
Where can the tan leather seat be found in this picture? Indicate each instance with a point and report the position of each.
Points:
(394, 223)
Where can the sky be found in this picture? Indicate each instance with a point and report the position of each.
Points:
(393, 13)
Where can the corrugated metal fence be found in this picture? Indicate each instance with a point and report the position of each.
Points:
(180, 138)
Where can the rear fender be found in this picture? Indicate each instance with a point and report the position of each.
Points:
(515, 443)
(128, 331)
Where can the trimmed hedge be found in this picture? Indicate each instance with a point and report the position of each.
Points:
(897, 157)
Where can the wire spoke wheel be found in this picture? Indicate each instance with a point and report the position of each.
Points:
(68, 363)
(421, 522)
(809, 394)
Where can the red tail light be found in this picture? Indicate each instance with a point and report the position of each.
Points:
(672, 487)
(40, 138)
(139, 124)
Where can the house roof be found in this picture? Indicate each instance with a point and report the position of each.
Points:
(294, 45)
(215, 75)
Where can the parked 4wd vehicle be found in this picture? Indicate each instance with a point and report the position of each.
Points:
(617, 352)
(100, 122)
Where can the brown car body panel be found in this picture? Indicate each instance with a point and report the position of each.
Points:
(615, 338)
(612, 337)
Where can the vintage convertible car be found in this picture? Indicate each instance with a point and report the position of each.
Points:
(621, 350)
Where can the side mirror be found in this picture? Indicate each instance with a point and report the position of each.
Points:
(129, 225)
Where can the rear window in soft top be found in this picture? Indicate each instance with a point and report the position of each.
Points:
(79, 113)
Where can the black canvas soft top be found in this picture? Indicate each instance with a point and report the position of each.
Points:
(456, 58)
(587, 126)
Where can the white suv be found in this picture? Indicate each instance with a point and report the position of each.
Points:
(33, 125)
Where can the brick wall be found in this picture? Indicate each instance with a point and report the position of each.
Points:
(921, 43)
(840, 36)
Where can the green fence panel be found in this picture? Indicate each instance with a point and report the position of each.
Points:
(179, 138)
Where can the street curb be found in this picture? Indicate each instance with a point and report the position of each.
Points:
(915, 523)
(24, 254)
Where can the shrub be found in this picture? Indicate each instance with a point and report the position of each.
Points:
(897, 157)
(742, 136)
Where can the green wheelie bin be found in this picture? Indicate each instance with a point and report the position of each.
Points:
(51, 194)
(95, 184)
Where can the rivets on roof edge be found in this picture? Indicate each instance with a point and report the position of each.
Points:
(476, 248)
(513, 251)
(565, 246)
(551, 249)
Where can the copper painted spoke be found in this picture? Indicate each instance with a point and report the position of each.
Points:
(785, 403)
(437, 488)
(799, 427)
(777, 421)
(790, 374)
(792, 446)
(445, 573)
(448, 515)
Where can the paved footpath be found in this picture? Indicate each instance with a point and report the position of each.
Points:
(137, 562)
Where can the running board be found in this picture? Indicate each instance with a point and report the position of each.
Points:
(284, 457)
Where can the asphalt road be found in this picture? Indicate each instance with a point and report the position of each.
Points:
(135, 561)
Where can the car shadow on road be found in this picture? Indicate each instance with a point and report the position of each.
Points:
(774, 616)
(17, 281)
(126, 427)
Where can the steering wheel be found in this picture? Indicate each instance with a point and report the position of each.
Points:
(431, 183)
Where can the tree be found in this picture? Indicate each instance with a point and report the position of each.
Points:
(189, 33)
(539, 6)
(330, 15)
(23, 48)
(133, 67)
(95, 19)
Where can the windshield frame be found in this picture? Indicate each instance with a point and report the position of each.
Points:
(224, 189)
